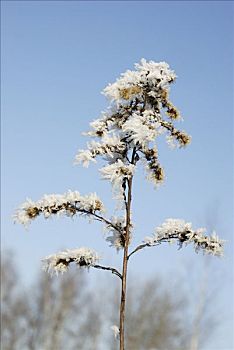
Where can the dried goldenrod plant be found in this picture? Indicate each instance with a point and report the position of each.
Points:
(124, 136)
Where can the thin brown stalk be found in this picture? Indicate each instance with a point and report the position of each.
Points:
(114, 271)
(139, 247)
(158, 242)
(125, 260)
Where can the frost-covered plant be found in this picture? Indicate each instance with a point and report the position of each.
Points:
(125, 134)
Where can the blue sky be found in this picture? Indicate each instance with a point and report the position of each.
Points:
(57, 56)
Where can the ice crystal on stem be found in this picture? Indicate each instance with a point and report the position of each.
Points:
(108, 147)
(182, 232)
(152, 75)
(115, 330)
(59, 263)
(117, 173)
(140, 129)
(140, 103)
(116, 235)
(69, 203)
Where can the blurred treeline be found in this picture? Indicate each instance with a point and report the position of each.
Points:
(66, 313)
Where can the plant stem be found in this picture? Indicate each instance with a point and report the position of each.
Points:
(125, 267)
(125, 260)
(123, 300)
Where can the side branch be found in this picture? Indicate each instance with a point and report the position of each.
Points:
(101, 218)
(154, 243)
(68, 204)
(209, 244)
(113, 270)
(82, 257)
(141, 246)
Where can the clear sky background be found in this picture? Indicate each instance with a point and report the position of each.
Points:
(57, 56)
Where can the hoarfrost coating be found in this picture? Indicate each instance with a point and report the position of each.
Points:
(116, 232)
(131, 83)
(140, 112)
(59, 263)
(68, 204)
(126, 133)
(176, 229)
(117, 173)
(115, 330)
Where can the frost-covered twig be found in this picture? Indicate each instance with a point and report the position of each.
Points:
(109, 146)
(59, 263)
(70, 203)
(182, 232)
(83, 257)
(134, 120)
(116, 232)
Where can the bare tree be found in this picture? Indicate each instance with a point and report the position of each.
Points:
(125, 135)
(13, 307)
(60, 319)
(54, 314)
(204, 317)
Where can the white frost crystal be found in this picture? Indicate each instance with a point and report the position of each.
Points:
(140, 130)
(116, 232)
(108, 147)
(84, 157)
(135, 119)
(115, 330)
(116, 173)
(131, 83)
(176, 229)
(68, 204)
(59, 263)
